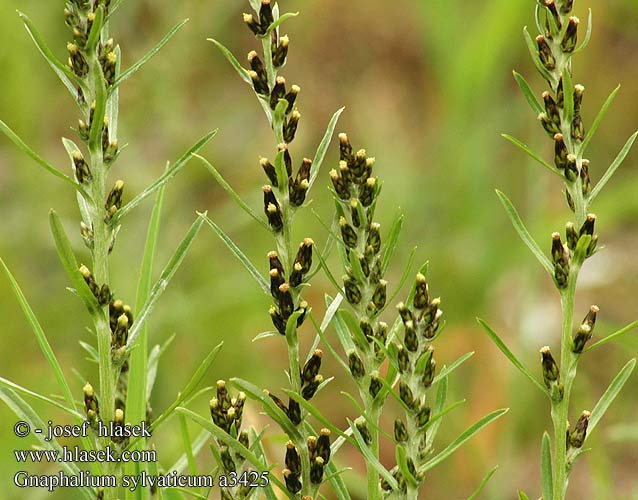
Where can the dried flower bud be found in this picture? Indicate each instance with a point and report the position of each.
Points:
(272, 209)
(588, 225)
(348, 234)
(312, 366)
(82, 172)
(316, 470)
(406, 395)
(278, 91)
(400, 432)
(571, 35)
(374, 237)
(585, 330)
(260, 85)
(269, 170)
(291, 97)
(545, 53)
(280, 51)
(253, 24)
(375, 385)
(290, 126)
(551, 108)
(293, 483)
(560, 152)
(323, 445)
(114, 198)
(345, 149)
(292, 460)
(578, 436)
(266, 17)
(584, 178)
(571, 170)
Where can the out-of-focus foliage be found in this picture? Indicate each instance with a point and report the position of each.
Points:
(428, 87)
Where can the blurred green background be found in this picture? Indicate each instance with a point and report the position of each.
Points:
(428, 89)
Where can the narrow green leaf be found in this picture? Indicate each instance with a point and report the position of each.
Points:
(326, 268)
(355, 265)
(68, 78)
(404, 277)
(610, 394)
(568, 88)
(148, 56)
(188, 446)
(153, 362)
(13, 386)
(236, 446)
(439, 406)
(482, 484)
(269, 406)
(161, 284)
(6, 130)
(587, 38)
(393, 239)
(227, 187)
(522, 495)
(599, 118)
(510, 355)
(533, 52)
(97, 124)
(310, 408)
(164, 178)
(523, 147)
(250, 267)
(277, 23)
(547, 478)
(96, 28)
(323, 147)
(92, 351)
(241, 71)
(402, 463)
(70, 264)
(41, 337)
(453, 366)
(528, 93)
(524, 233)
(466, 435)
(188, 492)
(197, 445)
(333, 476)
(612, 336)
(612, 168)
(327, 344)
(371, 459)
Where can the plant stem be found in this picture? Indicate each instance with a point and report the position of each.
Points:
(374, 492)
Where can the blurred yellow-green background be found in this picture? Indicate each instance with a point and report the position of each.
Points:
(428, 89)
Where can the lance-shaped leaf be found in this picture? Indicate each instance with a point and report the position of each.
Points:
(510, 355)
(465, 436)
(250, 267)
(599, 118)
(482, 484)
(148, 56)
(393, 239)
(613, 336)
(163, 281)
(547, 479)
(68, 78)
(528, 93)
(164, 178)
(524, 233)
(371, 459)
(587, 38)
(610, 394)
(241, 71)
(523, 147)
(320, 154)
(70, 264)
(612, 168)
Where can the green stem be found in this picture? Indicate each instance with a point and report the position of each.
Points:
(100, 264)
(374, 492)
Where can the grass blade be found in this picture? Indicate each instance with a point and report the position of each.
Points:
(510, 355)
(227, 187)
(148, 56)
(64, 73)
(612, 336)
(70, 264)
(465, 436)
(612, 168)
(482, 484)
(524, 233)
(41, 337)
(241, 71)
(522, 495)
(393, 239)
(528, 93)
(547, 479)
(250, 267)
(13, 137)
(610, 394)
(161, 284)
(165, 177)
(598, 119)
(323, 147)
(523, 147)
